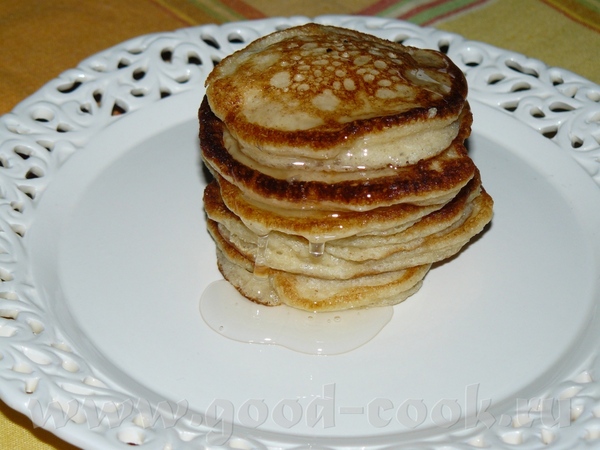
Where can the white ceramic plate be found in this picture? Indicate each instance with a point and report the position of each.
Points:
(104, 257)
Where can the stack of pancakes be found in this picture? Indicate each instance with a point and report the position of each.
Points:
(340, 171)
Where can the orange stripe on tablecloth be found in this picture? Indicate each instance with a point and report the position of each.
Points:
(243, 8)
(377, 7)
(416, 10)
(454, 12)
(174, 12)
(577, 12)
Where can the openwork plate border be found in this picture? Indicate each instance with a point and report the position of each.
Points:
(41, 368)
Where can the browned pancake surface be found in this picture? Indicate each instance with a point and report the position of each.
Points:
(317, 87)
(277, 287)
(340, 168)
(425, 182)
(435, 237)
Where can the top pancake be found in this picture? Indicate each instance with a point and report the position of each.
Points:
(318, 93)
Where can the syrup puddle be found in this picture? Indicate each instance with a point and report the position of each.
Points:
(231, 315)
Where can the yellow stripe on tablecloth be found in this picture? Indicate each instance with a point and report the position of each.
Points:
(583, 11)
(42, 39)
(220, 10)
(287, 8)
(538, 31)
(179, 10)
(17, 432)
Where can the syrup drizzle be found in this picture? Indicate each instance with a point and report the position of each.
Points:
(260, 268)
(316, 248)
(231, 315)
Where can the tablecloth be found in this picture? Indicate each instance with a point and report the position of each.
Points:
(39, 39)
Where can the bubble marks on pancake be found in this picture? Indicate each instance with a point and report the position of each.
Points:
(310, 89)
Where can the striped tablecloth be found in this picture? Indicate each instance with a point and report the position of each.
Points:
(41, 38)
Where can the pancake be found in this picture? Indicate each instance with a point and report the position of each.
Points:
(314, 294)
(340, 168)
(318, 93)
(314, 225)
(331, 171)
(430, 181)
(434, 238)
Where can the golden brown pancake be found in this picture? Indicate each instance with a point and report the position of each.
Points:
(435, 237)
(313, 224)
(429, 181)
(276, 287)
(340, 170)
(317, 92)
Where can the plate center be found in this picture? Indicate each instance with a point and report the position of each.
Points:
(132, 259)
